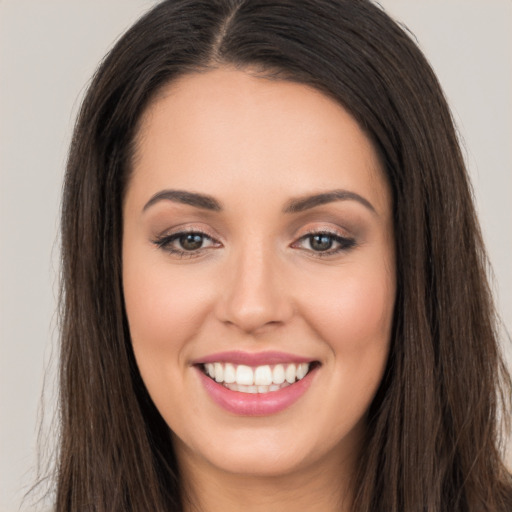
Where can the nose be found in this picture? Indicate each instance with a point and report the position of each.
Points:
(255, 297)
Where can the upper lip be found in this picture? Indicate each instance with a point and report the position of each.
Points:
(252, 358)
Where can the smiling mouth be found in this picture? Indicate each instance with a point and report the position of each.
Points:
(256, 379)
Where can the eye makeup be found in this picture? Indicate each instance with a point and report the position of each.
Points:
(192, 242)
(327, 231)
(186, 244)
(324, 243)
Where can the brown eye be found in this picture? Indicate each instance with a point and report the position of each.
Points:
(324, 243)
(191, 241)
(321, 242)
(186, 243)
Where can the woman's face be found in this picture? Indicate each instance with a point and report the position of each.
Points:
(258, 248)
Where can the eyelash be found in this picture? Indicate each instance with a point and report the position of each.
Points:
(165, 243)
(344, 243)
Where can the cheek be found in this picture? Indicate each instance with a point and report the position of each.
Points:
(353, 312)
(164, 309)
(355, 319)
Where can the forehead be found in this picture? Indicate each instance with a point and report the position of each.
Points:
(225, 128)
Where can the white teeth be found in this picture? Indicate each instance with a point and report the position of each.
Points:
(302, 369)
(244, 375)
(256, 389)
(263, 376)
(219, 372)
(229, 374)
(260, 379)
(290, 373)
(278, 375)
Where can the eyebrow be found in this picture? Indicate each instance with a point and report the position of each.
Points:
(301, 204)
(190, 198)
(296, 205)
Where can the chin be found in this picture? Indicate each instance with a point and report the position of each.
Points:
(254, 461)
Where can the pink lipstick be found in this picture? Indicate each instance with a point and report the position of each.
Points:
(255, 384)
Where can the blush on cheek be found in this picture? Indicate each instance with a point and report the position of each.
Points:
(161, 305)
(359, 311)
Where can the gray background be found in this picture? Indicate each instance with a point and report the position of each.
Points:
(48, 51)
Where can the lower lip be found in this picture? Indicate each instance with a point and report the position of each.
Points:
(257, 404)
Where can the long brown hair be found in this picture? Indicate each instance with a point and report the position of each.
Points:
(433, 438)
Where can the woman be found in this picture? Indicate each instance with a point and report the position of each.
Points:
(274, 282)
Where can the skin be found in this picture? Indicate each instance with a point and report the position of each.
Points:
(256, 284)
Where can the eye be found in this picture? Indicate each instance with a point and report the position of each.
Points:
(324, 243)
(186, 243)
(191, 241)
(321, 242)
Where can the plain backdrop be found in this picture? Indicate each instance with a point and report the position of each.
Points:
(48, 51)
